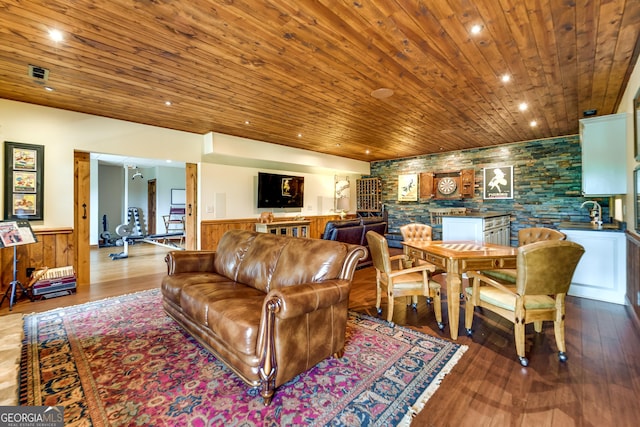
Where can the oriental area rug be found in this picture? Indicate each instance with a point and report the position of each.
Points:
(123, 362)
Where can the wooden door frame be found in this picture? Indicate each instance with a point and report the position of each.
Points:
(152, 202)
(81, 216)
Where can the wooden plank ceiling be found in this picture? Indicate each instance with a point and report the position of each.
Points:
(301, 72)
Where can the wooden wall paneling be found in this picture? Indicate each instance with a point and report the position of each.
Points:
(54, 248)
(211, 231)
(633, 276)
(191, 228)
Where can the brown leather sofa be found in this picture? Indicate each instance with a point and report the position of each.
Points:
(270, 307)
(354, 231)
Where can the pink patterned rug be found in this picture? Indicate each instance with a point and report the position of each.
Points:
(122, 361)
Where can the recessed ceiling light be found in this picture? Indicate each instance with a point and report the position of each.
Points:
(48, 88)
(505, 78)
(246, 122)
(476, 29)
(382, 93)
(338, 145)
(299, 135)
(523, 106)
(167, 103)
(168, 161)
(533, 123)
(56, 35)
(367, 152)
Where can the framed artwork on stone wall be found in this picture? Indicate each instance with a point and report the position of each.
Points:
(498, 182)
(23, 178)
(408, 187)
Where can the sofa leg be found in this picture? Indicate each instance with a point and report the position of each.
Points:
(338, 354)
(267, 392)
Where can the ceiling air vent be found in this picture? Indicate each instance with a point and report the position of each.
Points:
(38, 73)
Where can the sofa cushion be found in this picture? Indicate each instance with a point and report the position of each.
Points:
(172, 285)
(230, 252)
(229, 309)
(351, 235)
(306, 261)
(332, 225)
(378, 227)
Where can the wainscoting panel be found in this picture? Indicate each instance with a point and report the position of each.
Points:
(633, 275)
(54, 248)
(212, 230)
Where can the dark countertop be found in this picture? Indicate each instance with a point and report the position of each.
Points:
(477, 215)
(587, 226)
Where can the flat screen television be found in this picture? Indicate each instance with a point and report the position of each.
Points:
(280, 191)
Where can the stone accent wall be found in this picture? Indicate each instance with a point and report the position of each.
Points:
(547, 178)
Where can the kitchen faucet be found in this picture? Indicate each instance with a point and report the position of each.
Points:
(596, 218)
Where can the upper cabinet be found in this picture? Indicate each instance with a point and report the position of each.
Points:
(604, 164)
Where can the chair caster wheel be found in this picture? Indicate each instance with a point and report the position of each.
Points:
(524, 361)
(441, 326)
(415, 307)
(562, 356)
(379, 310)
(469, 332)
(429, 300)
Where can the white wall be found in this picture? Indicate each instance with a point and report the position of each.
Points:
(228, 165)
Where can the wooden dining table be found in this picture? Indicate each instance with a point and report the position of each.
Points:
(457, 257)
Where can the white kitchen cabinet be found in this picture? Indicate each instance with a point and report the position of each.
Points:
(601, 272)
(481, 227)
(604, 166)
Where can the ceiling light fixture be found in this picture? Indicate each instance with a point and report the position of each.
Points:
(246, 122)
(167, 103)
(523, 106)
(476, 29)
(48, 88)
(299, 135)
(56, 35)
(533, 123)
(505, 78)
(382, 93)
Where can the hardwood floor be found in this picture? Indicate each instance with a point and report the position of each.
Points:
(598, 386)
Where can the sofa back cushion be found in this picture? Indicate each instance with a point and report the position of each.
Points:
(333, 225)
(378, 227)
(265, 261)
(351, 235)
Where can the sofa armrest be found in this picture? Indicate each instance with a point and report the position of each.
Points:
(190, 262)
(298, 300)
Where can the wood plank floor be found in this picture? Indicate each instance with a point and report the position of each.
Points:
(598, 386)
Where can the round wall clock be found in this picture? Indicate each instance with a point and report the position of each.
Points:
(447, 185)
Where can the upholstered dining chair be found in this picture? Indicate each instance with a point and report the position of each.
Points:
(526, 236)
(416, 232)
(544, 273)
(412, 281)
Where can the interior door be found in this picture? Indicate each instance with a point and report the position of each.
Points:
(191, 214)
(151, 206)
(81, 222)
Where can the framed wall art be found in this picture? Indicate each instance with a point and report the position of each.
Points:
(408, 187)
(498, 182)
(23, 177)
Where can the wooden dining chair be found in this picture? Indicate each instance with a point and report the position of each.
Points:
(544, 273)
(400, 281)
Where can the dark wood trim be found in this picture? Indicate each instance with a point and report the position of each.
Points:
(633, 276)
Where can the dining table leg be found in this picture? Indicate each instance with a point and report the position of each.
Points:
(454, 280)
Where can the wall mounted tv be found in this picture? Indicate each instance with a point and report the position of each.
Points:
(280, 191)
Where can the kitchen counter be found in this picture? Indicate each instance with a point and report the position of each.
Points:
(587, 226)
(477, 215)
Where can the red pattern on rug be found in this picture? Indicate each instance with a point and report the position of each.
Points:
(123, 361)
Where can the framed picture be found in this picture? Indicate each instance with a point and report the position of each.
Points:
(408, 187)
(178, 196)
(24, 181)
(498, 182)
